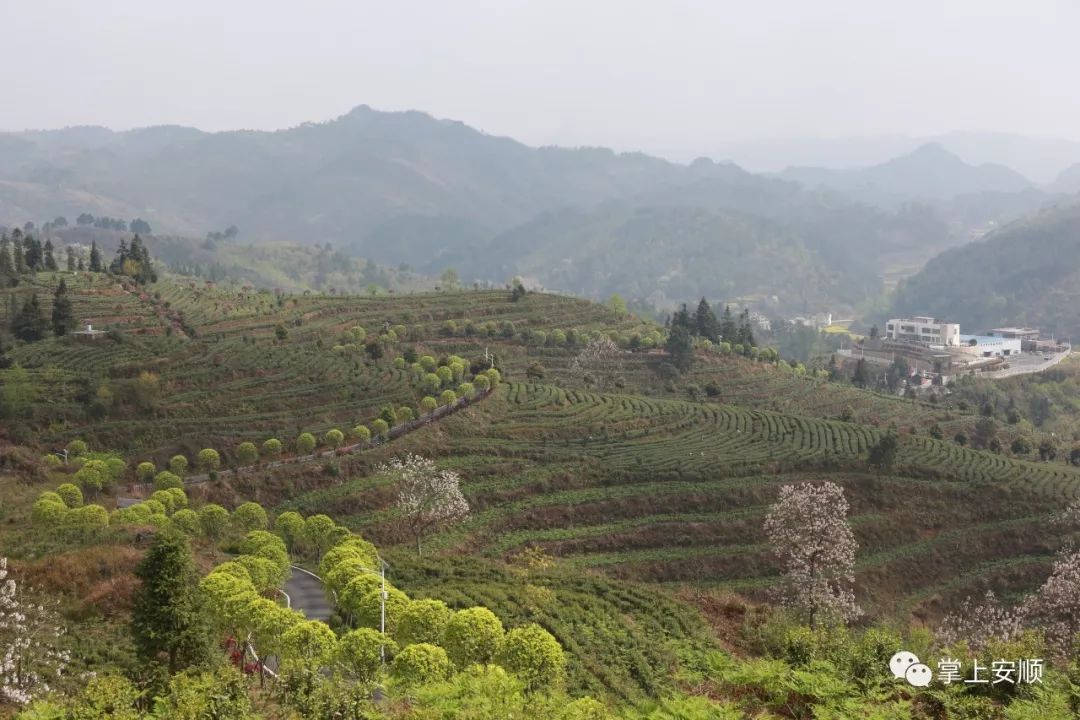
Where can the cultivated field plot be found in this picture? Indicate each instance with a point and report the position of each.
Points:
(232, 365)
(675, 492)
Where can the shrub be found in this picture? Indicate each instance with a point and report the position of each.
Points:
(369, 609)
(48, 512)
(305, 443)
(249, 516)
(430, 383)
(115, 467)
(153, 507)
(428, 405)
(76, 448)
(186, 521)
(208, 459)
(271, 447)
(93, 476)
(379, 427)
(168, 503)
(474, 635)
(178, 465)
(359, 652)
(481, 382)
(333, 438)
(420, 664)
(145, 471)
(535, 656)
(362, 433)
(70, 494)
(322, 533)
(466, 390)
(1021, 446)
(179, 497)
(585, 708)
(351, 547)
(353, 581)
(246, 453)
(290, 526)
(404, 413)
(310, 641)
(87, 516)
(447, 397)
(213, 520)
(423, 621)
(165, 480)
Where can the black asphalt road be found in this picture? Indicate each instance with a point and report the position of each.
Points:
(306, 594)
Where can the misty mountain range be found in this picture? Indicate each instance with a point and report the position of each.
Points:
(408, 188)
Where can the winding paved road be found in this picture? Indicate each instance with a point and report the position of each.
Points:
(306, 594)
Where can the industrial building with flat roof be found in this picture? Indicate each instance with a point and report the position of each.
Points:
(989, 345)
(923, 330)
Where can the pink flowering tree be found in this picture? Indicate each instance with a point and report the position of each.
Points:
(428, 498)
(811, 538)
(30, 658)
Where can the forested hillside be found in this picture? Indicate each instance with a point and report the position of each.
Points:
(1026, 274)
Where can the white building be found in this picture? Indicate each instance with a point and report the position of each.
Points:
(989, 345)
(924, 330)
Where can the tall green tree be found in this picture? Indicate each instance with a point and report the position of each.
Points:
(29, 323)
(49, 259)
(7, 266)
(63, 316)
(728, 331)
(70, 258)
(680, 346)
(95, 257)
(33, 255)
(745, 332)
(681, 318)
(705, 323)
(17, 254)
(169, 620)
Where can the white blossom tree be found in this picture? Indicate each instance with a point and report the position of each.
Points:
(428, 498)
(30, 658)
(810, 536)
(599, 362)
(1055, 607)
(978, 624)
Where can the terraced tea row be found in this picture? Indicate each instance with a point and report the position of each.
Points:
(675, 492)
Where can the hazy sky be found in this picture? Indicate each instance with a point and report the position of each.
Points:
(615, 72)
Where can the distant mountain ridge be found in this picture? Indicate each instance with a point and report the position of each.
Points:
(930, 173)
(407, 188)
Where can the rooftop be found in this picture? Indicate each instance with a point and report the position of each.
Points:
(1016, 330)
(983, 339)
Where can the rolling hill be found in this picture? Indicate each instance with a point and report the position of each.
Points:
(635, 483)
(1027, 273)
